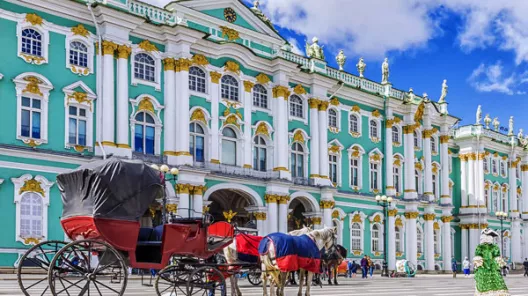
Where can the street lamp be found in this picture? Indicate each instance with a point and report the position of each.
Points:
(384, 202)
(502, 216)
(166, 174)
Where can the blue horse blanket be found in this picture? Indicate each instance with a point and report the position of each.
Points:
(293, 252)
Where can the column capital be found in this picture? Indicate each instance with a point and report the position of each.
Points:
(215, 77)
(183, 64)
(323, 105)
(248, 85)
(172, 208)
(327, 204)
(261, 216)
(463, 157)
(389, 123)
(280, 91)
(444, 139)
(123, 51)
(169, 64)
(411, 215)
(429, 133)
(392, 212)
(314, 103)
(409, 129)
(184, 188)
(316, 220)
(283, 199)
(524, 167)
(109, 47)
(429, 217)
(472, 156)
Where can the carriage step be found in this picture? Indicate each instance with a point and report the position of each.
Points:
(149, 243)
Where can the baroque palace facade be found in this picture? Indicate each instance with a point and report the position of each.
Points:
(280, 139)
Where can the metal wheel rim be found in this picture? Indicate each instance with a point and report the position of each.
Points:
(254, 277)
(166, 283)
(87, 277)
(25, 286)
(198, 284)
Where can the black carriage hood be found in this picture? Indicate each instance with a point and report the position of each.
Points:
(113, 188)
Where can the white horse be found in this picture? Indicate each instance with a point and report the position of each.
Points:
(323, 238)
(230, 254)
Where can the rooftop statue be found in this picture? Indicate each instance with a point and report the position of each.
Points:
(496, 124)
(341, 60)
(361, 67)
(487, 121)
(520, 135)
(314, 50)
(385, 71)
(510, 127)
(478, 115)
(408, 98)
(444, 92)
(256, 10)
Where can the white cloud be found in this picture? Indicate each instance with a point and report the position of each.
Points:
(491, 78)
(295, 46)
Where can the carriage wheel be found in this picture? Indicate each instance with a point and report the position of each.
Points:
(173, 280)
(32, 271)
(254, 276)
(205, 281)
(88, 267)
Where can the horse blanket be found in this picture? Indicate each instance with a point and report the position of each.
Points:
(293, 252)
(247, 247)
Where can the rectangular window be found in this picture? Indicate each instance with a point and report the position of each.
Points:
(30, 118)
(77, 126)
(354, 173)
(398, 240)
(374, 176)
(396, 178)
(332, 163)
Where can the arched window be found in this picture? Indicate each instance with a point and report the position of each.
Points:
(229, 146)
(395, 134)
(503, 168)
(486, 194)
(375, 238)
(197, 79)
(31, 111)
(32, 42)
(144, 133)
(494, 167)
(495, 201)
(230, 88)
(259, 154)
(297, 160)
(78, 54)
(374, 176)
(504, 200)
(354, 123)
(373, 129)
(31, 215)
(398, 239)
(296, 106)
(260, 96)
(77, 125)
(419, 240)
(436, 241)
(144, 67)
(416, 140)
(433, 145)
(197, 142)
(332, 118)
(355, 236)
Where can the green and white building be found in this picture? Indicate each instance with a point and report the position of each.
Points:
(281, 139)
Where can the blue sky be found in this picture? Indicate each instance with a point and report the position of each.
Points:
(479, 46)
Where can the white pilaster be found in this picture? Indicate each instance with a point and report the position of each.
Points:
(281, 94)
(391, 243)
(445, 197)
(169, 92)
(474, 240)
(215, 99)
(262, 220)
(516, 252)
(197, 201)
(389, 176)
(524, 176)
(327, 204)
(479, 179)
(122, 98)
(429, 239)
(273, 214)
(463, 179)
(183, 156)
(248, 143)
(283, 213)
(411, 248)
(108, 94)
(428, 172)
(465, 242)
(184, 202)
(323, 142)
(314, 141)
(513, 187)
(410, 185)
(446, 239)
(471, 179)
(525, 231)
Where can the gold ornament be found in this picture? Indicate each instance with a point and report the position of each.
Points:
(377, 219)
(145, 105)
(271, 198)
(357, 218)
(182, 64)
(334, 101)
(334, 149)
(147, 46)
(314, 103)
(335, 214)
(411, 215)
(169, 64)
(376, 113)
(299, 89)
(398, 222)
(199, 59)
(80, 30)
(446, 219)
(393, 212)
(215, 77)
(260, 216)
(232, 119)
(298, 136)
(34, 19)
(262, 78)
(32, 86)
(109, 47)
(356, 108)
(80, 97)
(172, 208)
(327, 204)
(262, 129)
(375, 157)
(31, 240)
(284, 199)
(248, 86)
(323, 105)
(317, 220)
(429, 217)
(123, 51)
(198, 115)
(418, 116)
(281, 91)
(32, 186)
(231, 34)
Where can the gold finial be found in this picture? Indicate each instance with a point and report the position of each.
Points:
(229, 215)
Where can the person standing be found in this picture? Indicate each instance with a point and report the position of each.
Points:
(466, 267)
(454, 266)
(525, 264)
(370, 266)
(364, 267)
(349, 268)
(487, 264)
(354, 269)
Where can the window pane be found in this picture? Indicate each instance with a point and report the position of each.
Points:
(138, 138)
(200, 149)
(229, 152)
(149, 140)
(26, 102)
(72, 110)
(262, 159)
(82, 133)
(35, 128)
(72, 131)
(25, 122)
(35, 103)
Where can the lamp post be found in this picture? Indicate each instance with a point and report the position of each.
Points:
(384, 202)
(502, 216)
(166, 174)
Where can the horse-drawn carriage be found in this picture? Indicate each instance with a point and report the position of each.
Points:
(102, 205)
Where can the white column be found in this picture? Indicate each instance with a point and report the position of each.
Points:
(524, 178)
(445, 197)
(410, 232)
(215, 98)
(108, 94)
(525, 231)
(446, 239)
(183, 156)
(283, 213)
(323, 141)
(169, 92)
(389, 178)
(98, 104)
(248, 143)
(410, 185)
(429, 241)
(474, 240)
(327, 206)
(513, 186)
(198, 201)
(463, 179)
(471, 179)
(122, 97)
(428, 171)
(314, 141)
(516, 252)
(281, 93)
(391, 235)
(273, 219)
(261, 223)
(479, 179)
(465, 241)
(184, 203)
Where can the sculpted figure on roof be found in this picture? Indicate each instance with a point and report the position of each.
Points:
(444, 92)
(314, 50)
(385, 71)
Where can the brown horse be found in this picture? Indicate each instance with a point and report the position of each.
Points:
(332, 261)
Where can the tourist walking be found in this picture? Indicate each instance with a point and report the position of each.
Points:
(454, 266)
(364, 267)
(370, 266)
(353, 272)
(525, 264)
(488, 263)
(466, 266)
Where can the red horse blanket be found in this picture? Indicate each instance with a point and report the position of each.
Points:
(293, 252)
(247, 247)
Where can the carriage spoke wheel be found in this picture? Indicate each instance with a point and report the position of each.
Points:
(254, 276)
(32, 271)
(205, 281)
(172, 280)
(88, 268)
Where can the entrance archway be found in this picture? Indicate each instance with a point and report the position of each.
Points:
(301, 205)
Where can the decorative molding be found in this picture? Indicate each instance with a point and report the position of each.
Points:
(299, 89)
(231, 34)
(200, 60)
(262, 78)
(215, 77)
(281, 91)
(146, 46)
(232, 67)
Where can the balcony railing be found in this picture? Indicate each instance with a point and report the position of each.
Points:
(229, 170)
(303, 181)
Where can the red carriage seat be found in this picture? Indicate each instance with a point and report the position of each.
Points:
(218, 234)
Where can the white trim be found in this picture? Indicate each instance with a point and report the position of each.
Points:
(45, 87)
(377, 139)
(362, 229)
(337, 128)
(239, 157)
(234, 186)
(359, 121)
(360, 165)
(157, 119)
(305, 108)
(89, 107)
(41, 156)
(420, 250)
(306, 151)
(379, 170)
(205, 94)
(339, 165)
(46, 185)
(70, 37)
(400, 141)
(156, 55)
(43, 29)
(305, 196)
(379, 238)
(32, 167)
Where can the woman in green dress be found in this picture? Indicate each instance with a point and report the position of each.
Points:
(488, 263)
